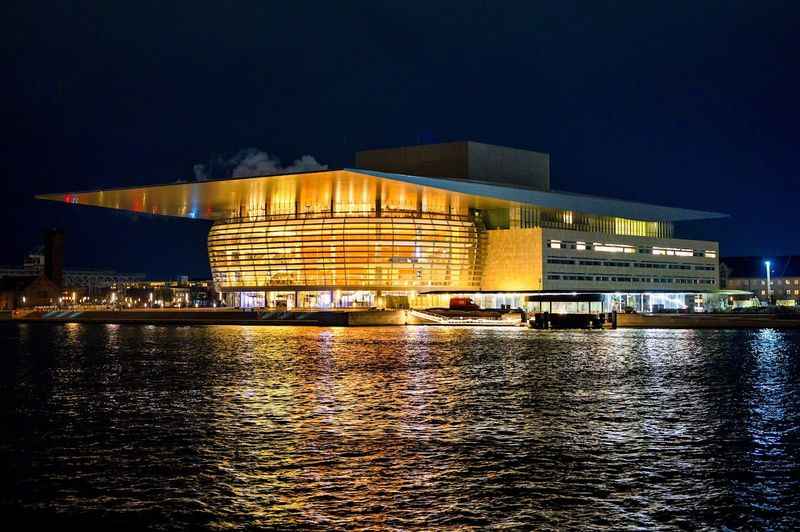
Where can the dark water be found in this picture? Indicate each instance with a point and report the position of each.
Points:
(435, 428)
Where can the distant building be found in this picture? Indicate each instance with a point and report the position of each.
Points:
(41, 286)
(82, 279)
(750, 274)
(31, 291)
(182, 292)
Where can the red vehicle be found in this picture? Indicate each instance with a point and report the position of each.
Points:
(463, 303)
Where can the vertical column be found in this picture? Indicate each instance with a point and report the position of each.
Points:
(333, 195)
(296, 196)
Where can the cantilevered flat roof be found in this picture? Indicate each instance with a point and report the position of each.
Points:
(558, 200)
(215, 199)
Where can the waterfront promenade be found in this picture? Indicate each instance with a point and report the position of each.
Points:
(365, 317)
(219, 316)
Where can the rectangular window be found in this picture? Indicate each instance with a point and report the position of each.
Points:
(676, 252)
(555, 244)
(613, 248)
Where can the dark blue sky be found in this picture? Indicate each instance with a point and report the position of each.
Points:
(692, 104)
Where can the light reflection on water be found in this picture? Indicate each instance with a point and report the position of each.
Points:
(230, 426)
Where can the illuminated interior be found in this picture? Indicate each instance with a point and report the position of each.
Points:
(533, 216)
(398, 250)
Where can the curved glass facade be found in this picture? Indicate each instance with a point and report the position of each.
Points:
(395, 251)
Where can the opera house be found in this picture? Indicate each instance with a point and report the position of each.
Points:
(417, 225)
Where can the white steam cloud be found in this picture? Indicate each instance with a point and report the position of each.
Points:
(253, 162)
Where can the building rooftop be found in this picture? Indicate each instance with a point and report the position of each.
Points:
(462, 160)
(216, 199)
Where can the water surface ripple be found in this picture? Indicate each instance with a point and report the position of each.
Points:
(224, 427)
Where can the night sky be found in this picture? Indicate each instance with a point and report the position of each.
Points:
(691, 104)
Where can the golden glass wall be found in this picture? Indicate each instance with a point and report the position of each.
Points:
(399, 250)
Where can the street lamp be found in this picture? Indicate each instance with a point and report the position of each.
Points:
(767, 264)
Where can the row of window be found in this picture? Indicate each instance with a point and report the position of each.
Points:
(747, 282)
(787, 292)
(623, 264)
(626, 248)
(575, 221)
(627, 279)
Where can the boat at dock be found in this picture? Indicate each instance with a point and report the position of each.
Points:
(547, 320)
(569, 311)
